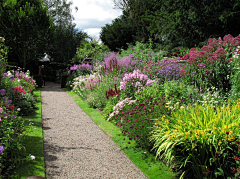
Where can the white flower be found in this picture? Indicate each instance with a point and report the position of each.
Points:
(32, 157)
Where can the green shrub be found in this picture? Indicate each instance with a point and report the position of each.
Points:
(3, 54)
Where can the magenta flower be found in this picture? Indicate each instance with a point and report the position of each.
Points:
(219, 52)
(1, 149)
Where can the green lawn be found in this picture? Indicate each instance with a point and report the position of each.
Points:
(33, 142)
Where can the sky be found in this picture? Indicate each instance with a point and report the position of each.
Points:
(94, 14)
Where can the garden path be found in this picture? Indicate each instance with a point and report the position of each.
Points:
(75, 147)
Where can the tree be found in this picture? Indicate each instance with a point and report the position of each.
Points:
(60, 11)
(25, 26)
(187, 23)
(182, 22)
(121, 4)
(119, 33)
(64, 42)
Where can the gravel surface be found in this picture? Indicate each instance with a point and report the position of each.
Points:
(75, 147)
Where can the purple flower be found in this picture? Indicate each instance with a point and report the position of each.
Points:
(148, 49)
(9, 101)
(1, 149)
(149, 55)
(4, 75)
(2, 91)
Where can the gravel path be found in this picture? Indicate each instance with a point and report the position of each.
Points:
(75, 147)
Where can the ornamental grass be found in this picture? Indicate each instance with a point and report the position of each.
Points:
(201, 141)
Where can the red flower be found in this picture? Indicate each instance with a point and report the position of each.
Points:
(236, 158)
(234, 170)
(182, 72)
(217, 154)
(207, 71)
(207, 171)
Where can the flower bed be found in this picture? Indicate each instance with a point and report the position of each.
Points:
(16, 99)
(181, 112)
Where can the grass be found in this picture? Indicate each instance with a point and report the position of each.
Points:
(144, 160)
(33, 142)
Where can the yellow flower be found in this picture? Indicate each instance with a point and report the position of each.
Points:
(166, 121)
(179, 121)
(187, 133)
(194, 145)
(219, 143)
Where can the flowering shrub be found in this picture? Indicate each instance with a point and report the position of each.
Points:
(178, 94)
(12, 88)
(134, 116)
(78, 70)
(142, 52)
(83, 85)
(11, 127)
(119, 106)
(112, 62)
(179, 52)
(134, 82)
(202, 141)
(111, 92)
(211, 66)
(98, 97)
(164, 69)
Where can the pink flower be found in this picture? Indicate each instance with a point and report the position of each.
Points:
(213, 59)
(1, 110)
(182, 72)
(228, 38)
(207, 71)
(219, 52)
(201, 65)
(205, 48)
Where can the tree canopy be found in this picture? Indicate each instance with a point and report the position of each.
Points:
(174, 22)
(25, 26)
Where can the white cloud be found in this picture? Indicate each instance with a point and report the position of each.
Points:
(94, 14)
